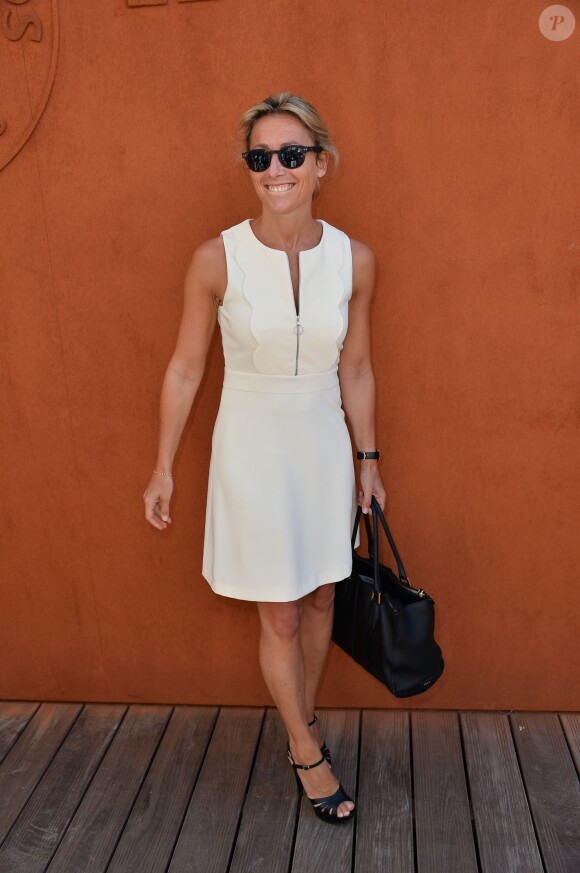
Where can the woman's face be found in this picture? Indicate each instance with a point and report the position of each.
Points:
(279, 189)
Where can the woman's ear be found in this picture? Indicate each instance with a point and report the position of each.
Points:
(321, 164)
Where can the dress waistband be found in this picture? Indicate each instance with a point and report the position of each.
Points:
(280, 384)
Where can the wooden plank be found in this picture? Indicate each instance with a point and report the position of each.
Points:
(23, 767)
(384, 829)
(266, 832)
(39, 828)
(552, 786)
(320, 846)
(14, 716)
(504, 827)
(153, 826)
(95, 829)
(571, 725)
(209, 830)
(444, 833)
(70, 776)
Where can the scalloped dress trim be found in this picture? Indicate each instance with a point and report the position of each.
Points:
(326, 260)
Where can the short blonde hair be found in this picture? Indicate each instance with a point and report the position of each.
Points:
(286, 101)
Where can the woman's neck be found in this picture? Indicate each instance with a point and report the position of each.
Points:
(293, 231)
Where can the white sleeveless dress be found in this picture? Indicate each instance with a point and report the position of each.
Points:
(281, 496)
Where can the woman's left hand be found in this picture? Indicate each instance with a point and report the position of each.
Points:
(371, 486)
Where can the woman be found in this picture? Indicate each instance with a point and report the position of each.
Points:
(292, 296)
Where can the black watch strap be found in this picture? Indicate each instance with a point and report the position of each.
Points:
(370, 456)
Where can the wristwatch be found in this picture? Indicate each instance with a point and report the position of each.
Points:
(369, 456)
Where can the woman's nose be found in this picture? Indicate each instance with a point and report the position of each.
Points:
(275, 168)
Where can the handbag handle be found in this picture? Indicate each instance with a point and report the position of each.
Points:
(378, 513)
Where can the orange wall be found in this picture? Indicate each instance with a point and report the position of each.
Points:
(459, 134)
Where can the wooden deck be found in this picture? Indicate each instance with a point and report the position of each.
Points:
(89, 788)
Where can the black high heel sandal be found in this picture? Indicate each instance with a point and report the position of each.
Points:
(326, 808)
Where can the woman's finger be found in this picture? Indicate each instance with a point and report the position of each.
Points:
(365, 501)
(153, 521)
(163, 509)
(160, 514)
(152, 513)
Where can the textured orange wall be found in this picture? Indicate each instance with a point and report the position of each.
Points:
(459, 132)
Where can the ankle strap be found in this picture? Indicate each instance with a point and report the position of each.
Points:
(314, 720)
(308, 766)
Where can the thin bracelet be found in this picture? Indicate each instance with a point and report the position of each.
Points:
(163, 474)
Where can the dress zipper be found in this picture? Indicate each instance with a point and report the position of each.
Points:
(297, 330)
(298, 327)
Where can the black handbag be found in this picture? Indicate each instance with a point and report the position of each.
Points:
(383, 622)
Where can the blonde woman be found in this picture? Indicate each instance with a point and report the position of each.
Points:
(291, 294)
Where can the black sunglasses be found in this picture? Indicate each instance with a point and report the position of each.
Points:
(291, 156)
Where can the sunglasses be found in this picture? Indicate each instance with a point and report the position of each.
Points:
(291, 157)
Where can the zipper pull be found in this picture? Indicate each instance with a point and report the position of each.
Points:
(299, 327)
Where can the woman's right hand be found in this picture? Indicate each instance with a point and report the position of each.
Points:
(157, 496)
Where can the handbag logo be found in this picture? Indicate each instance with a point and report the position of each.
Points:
(30, 46)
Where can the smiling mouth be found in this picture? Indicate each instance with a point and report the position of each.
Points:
(280, 189)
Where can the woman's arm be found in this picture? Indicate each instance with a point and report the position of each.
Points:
(357, 382)
(204, 285)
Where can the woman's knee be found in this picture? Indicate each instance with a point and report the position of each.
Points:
(322, 597)
(280, 619)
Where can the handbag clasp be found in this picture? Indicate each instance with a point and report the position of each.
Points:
(419, 591)
(378, 596)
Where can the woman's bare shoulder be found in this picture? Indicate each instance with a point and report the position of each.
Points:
(363, 268)
(208, 265)
(362, 253)
(210, 253)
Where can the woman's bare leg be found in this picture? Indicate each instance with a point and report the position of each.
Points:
(282, 663)
(316, 633)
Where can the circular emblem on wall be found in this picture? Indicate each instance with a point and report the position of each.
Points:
(557, 23)
(29, 39)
